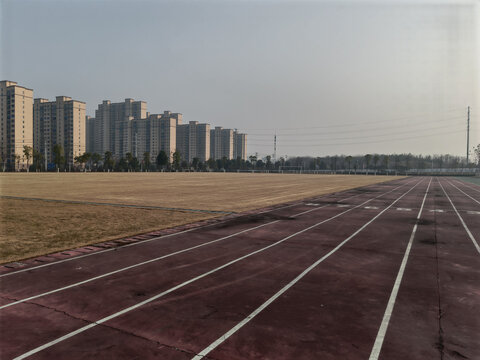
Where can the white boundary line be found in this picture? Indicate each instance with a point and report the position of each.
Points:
(478, 202)
(377, 346)
(168, 291)
(464, 183)
(461, 219)
(262, 307)
(146, 262)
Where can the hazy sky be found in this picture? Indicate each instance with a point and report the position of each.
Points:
(328, 77)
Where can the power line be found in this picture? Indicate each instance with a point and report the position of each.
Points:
(355, 134)
(411, 126)
(363, 142)
(416, 117)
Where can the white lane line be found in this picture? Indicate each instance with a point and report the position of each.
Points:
(473, 212)
(437, 210)
(404, 209)
(461, 219)
(377, 346)
(155, 297)
(132, 244)
(465, 184)
(371, 207)
(262, 307)
(463, 192)
(149, 261)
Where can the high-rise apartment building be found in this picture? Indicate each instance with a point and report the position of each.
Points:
(239, 145)
(163, 133)
(193, 141)
(155, 133)
(221, 143)
(16, 124)
(59, 122)
(136, 137)
(111, 120)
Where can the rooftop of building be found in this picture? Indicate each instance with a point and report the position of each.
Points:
(9, 83)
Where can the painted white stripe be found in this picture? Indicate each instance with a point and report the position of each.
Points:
(465, 184)
(155, 297)
(262, 307)
(377, 346)
(149, 261)
(132, 244)
(461, 220)
(478, 202)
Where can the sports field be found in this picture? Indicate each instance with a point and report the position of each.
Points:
(84, 213)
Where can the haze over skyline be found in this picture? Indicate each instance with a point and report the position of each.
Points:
(327, 77)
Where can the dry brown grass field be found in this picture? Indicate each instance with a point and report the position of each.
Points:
(30, 228)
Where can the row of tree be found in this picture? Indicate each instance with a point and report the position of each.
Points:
(382, 162)
(163, 162)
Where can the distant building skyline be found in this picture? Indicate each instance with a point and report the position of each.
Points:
(328, 77)
(118, 128)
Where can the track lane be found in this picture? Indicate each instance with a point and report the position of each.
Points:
(382, 331)
(371, 209)
(470, 196)
(460, 217)
(461, 198)
(436, 307)
(474, 187)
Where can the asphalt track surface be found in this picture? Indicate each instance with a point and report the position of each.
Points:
(387, 271)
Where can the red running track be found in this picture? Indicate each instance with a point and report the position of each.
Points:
(390, 271)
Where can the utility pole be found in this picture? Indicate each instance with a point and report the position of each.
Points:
(468, 131)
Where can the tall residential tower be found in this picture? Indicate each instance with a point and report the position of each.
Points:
(59, 122)
(112, 121)
(16, 124)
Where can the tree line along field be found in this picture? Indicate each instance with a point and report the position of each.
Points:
(31, 227)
